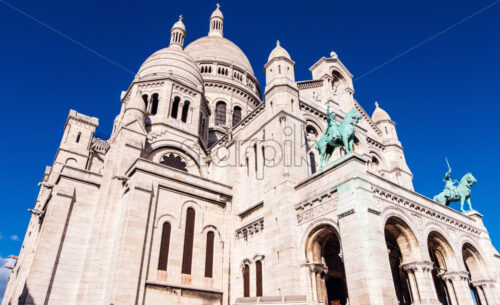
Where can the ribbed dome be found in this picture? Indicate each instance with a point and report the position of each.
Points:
(379, 114)
(278, 51)
(171, 62)
(213, 48)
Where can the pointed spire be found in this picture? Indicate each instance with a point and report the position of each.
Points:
(216, 22)
(177, 34)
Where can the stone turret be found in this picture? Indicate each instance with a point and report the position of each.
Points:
(216, 23)
(177, 35)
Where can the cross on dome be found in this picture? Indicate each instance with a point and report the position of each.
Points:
(180, 17)
(277, 43)
(218, 5)
(376, 104)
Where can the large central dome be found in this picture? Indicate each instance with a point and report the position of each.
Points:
(217, 48)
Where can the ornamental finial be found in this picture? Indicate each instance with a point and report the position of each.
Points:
(376, 104)
(218, 5)
(277, 43)
(180, 17)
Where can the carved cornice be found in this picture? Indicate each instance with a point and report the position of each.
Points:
(316, 112)
(423, 210)
(250, 229)
(309, 84)
(316, 206)
(150, 85)
(185, 90)
(375, 143)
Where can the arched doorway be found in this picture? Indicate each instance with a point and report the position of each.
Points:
(402, 247)
(475, 266)
(440, 252)
(324, 254)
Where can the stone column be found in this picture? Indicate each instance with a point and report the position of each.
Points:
(486, 291)
(421, 273)
(452, 294)
(415, 294)
(460, 280)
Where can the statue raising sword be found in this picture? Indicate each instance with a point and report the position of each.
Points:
(453, 192)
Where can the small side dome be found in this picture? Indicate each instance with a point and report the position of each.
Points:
(217, 12)
(136, 103)
(278, 51)
(179, 25)
(380, 114)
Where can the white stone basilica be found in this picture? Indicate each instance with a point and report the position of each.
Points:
(206, 194)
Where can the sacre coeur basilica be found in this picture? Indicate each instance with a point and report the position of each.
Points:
(206, 194)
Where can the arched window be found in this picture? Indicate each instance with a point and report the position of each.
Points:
(185, 110)
(312, 161)
(220, 113)
(258, 278)
(78, 136)
(165, 244)
(187, 257)
(246, 281)
(386, 132)
(154, 101)
(236, 115)
(145, 98)
(279, 69)
(209, 256)
(175, 107)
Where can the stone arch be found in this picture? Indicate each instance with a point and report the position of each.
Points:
(71, 162)
(213, 228)
(399, 230)
(186, 154)
(443, 259)
(382, 165)
(323, 252)
(402, 248)
(199, 215)
(165, 218)
(473, 262)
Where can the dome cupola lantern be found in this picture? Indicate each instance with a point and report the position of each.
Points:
(177, 35)
(216, 23)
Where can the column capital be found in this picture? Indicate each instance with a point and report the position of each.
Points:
(317, 267)
(455, 275)
(418, 266)
(484, 283)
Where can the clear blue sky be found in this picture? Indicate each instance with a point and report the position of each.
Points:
(443, 95)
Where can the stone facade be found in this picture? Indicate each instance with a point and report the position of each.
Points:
(204, 194)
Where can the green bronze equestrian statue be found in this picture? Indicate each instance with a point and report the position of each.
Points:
(337, 135)
(452, 193)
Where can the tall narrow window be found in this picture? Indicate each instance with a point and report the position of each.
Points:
(154, 103)
(185, 110)
(313, 163)
(187, 257)
(165, 244)
(145, 99)
(236, 115)
(175, 107)
(255, 155)
(246, 281)
(279, 69)
(78, 136)
(248, 166)
(263, 155)
(209, 257)
(220, 113)
(258, 278)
